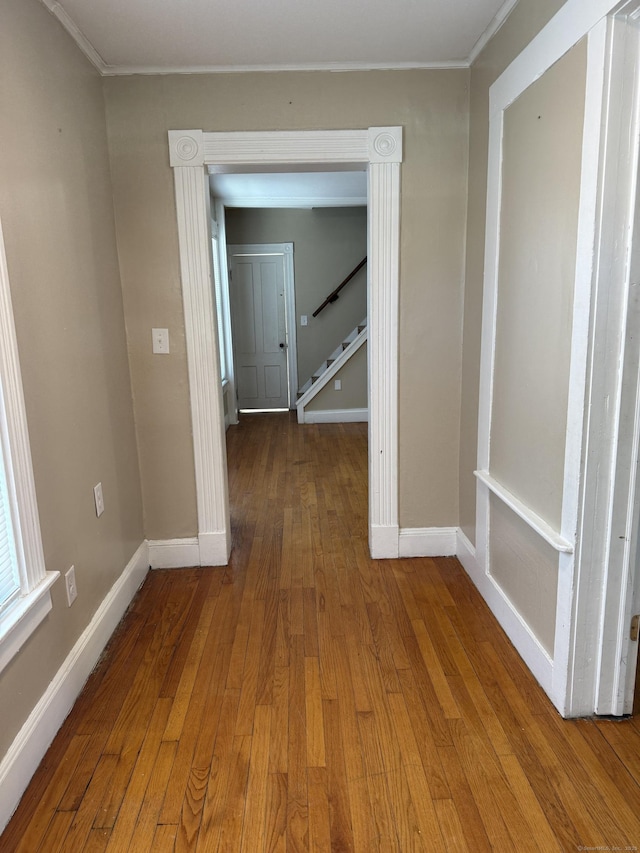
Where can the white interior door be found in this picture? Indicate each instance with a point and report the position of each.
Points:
(259, 323)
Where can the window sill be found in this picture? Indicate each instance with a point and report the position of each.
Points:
(23, 617)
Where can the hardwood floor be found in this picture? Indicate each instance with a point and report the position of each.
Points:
(308, 698)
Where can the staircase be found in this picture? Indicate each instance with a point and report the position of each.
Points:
(328, 369)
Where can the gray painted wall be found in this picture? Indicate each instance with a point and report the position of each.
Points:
(327, 244)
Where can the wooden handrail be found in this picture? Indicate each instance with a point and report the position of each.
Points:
(334, 294)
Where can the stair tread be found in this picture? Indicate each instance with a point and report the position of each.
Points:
(346, 343)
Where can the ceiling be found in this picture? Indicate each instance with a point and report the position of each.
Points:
(163, 36)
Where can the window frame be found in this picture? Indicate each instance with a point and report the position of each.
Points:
(23, 615)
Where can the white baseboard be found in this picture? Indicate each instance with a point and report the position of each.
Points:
(427, 541)
(526, 643)
(34, 738)
(208, 549)
(336, 416)
(465, 551)
(174, 553)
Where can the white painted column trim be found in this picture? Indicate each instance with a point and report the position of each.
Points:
(617, 356)
(221, 242)
(383, 263)
(207, 413)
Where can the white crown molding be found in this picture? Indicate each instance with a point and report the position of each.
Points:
(497, 21)
(107, 70)
(330, 67)
(78, 36)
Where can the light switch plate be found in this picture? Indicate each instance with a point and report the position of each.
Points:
(303, 319)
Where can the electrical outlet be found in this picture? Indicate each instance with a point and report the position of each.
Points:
(160, 340)
(99, 499)
(70, 581)
(338, 385)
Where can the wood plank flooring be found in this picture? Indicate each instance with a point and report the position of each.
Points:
(306, 698)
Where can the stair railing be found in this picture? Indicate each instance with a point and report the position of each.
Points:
(335, 293)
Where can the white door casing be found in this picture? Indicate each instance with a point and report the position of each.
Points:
(585, 670)
(380, 148)
(221, 269)
(617, 378)
(264, 344)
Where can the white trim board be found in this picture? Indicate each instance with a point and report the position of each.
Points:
(498, 20)
(187, 552)
(191, 152)
(526, 644)
(427, 541)
(582, 635)
(174, 553)
(336, 416)
(125, 70)
(465, 550)
(34, 738)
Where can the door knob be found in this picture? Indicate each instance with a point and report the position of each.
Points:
(283, 346)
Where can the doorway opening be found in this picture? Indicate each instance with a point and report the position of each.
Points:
(262, 322)
(379, 151)
(273, 291)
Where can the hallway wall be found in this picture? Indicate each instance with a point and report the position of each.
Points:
(522, 25)
(57, 214)
(432, 107)
(327, 244)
